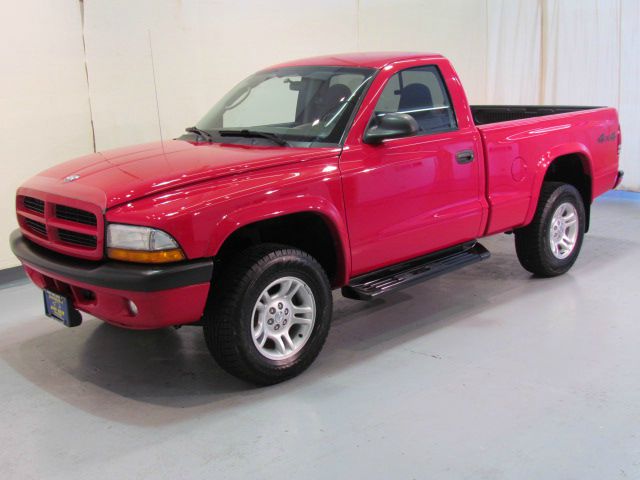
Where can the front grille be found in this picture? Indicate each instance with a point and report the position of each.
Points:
(75, 215)
(33, 204)
(76, 230)
(36, 227)
(76, 238)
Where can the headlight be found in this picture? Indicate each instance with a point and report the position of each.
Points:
(141, 244)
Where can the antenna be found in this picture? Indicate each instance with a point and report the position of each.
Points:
(155, 88)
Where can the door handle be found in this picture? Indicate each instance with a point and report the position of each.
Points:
(464, 156)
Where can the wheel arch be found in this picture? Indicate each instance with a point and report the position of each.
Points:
(316, 229)
(571, 164)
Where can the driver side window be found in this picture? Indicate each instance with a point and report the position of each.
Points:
(421, 93)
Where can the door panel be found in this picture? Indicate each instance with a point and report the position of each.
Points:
(410, 196)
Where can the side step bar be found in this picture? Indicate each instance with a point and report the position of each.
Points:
(402, 275)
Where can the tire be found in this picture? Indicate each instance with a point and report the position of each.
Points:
(535, 242)
(239, 309)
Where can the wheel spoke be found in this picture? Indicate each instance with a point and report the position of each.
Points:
(567, 241)
(570, 219)
(293, 290)
(285, 286)
(258, 331)
(280, 347)
(265, 298)
(261, 335)
(301, 320)
(288, 343)
(301, 310)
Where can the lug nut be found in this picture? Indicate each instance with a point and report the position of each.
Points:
(277, 327)
(272, 310)
(270, 321)
(286, 311)
(280, 306)
(284, 322)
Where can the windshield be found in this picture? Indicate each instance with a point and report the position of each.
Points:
(300, 106)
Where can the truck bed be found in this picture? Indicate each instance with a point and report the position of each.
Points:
(484, 114)
(518, 140)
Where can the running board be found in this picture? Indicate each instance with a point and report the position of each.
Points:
(402, 275)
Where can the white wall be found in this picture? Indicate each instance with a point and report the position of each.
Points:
(44, 108)
(455, 28)
(506, 51)
(200, 50)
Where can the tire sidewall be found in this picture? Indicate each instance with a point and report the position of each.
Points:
(285, 266)
(562, 194)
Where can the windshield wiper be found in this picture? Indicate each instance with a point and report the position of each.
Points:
(275, 138)
(203, 133)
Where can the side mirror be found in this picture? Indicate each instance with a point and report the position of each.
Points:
(392, 125)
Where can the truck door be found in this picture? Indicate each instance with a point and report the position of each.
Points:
(411, 196)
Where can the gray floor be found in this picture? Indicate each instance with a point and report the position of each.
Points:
(485, 373)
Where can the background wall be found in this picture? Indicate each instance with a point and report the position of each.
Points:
(78, 75)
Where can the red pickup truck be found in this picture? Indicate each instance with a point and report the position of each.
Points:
(367, 172)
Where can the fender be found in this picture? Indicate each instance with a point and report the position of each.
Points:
(201, 217)
(571, 148)
(287, 205)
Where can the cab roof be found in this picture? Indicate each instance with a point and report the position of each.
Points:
(361, 59)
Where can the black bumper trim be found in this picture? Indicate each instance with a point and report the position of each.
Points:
(111, 274)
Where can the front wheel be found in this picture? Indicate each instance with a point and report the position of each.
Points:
(550, 244)
(270, 314)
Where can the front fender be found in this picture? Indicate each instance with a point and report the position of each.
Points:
(288, 205)
(201, 217)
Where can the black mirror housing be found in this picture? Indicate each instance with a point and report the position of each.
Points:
(392, 125)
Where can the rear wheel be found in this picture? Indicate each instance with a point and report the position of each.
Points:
(269, 315)
(550, 244)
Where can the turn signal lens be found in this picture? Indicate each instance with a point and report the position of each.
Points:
(141, 256)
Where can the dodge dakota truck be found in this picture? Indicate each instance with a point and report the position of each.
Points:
(367, 172)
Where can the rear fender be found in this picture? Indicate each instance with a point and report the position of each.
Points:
(572, 148)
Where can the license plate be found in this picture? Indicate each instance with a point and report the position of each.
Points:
(60, 308)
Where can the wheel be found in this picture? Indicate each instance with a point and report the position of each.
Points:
(269, 314)
(550, 244)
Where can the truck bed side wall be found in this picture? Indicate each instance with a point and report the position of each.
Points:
(518, 154)
(485, 114)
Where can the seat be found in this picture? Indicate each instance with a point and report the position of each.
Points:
(334, 96)
(416, 100)
(415, 96)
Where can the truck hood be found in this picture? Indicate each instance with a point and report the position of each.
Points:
(114, 177)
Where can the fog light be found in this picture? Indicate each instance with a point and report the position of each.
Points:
(133, 308)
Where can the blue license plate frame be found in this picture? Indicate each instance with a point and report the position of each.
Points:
(60, 308)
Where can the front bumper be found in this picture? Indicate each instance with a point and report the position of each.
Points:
(173, 294)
